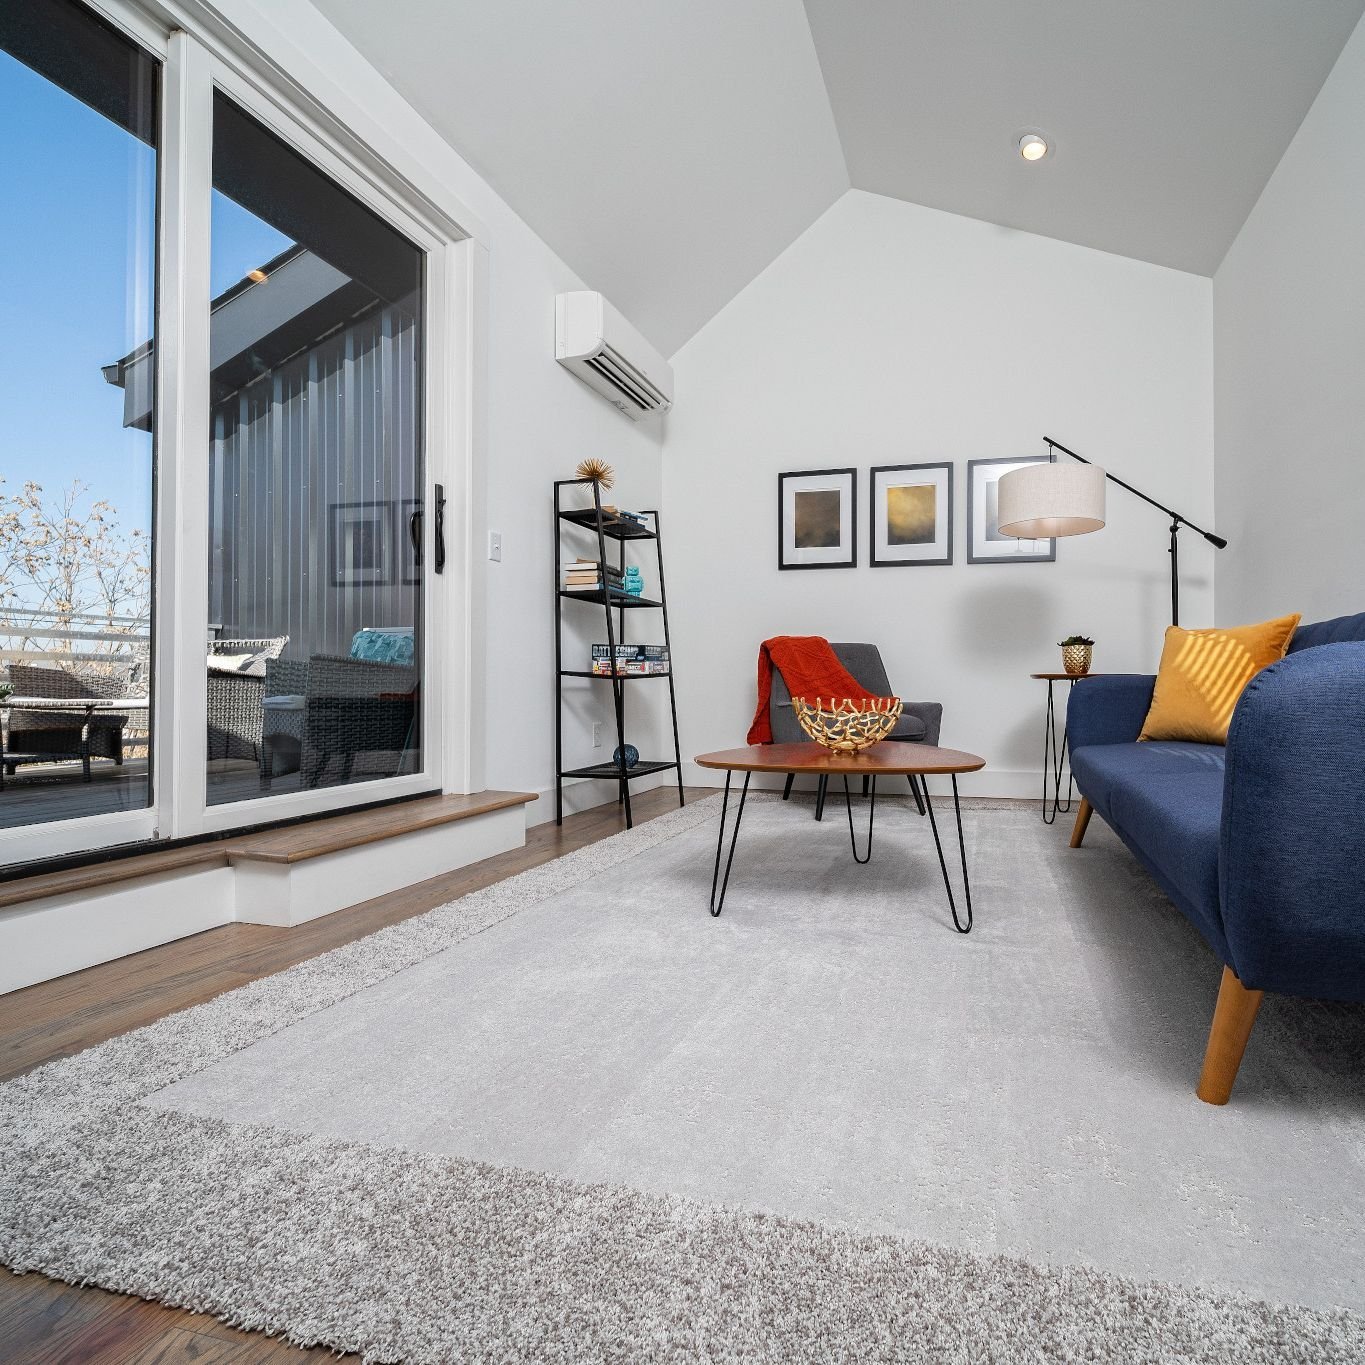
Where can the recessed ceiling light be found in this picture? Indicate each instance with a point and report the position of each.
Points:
(1033, 147)
(258, 276)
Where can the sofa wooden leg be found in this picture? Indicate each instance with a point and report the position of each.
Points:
(1233, 1016)
(1083, 813)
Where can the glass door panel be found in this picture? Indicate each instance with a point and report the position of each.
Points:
(78, 161)
(314, 652)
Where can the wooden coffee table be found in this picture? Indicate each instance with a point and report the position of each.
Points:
(889, 758)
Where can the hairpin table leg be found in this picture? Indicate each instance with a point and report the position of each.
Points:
(942, 862)
(871, 815)
(1054, 761)
(716, 905)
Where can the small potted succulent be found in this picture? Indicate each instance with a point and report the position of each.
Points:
(1076, 654)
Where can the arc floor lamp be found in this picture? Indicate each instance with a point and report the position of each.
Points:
(1039, 501)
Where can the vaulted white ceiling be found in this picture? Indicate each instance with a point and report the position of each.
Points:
(670, 149)
(666, 149)
(1166, 117)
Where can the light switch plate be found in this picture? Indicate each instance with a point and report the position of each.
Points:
(495, 546)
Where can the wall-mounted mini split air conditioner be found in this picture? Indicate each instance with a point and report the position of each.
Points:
(594, 341)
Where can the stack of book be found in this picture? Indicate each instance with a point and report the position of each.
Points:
(588, 575)
(631, 660)
(620, 514)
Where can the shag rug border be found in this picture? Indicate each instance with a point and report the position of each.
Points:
(402, 1256)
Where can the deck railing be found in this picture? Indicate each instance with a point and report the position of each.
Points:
(95, 644)
(31, 636)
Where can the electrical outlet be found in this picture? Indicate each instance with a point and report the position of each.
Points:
(495, 546)
(597, 734)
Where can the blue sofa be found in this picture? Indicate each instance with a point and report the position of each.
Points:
(1260, 844)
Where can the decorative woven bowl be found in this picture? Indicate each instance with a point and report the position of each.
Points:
(847, 726)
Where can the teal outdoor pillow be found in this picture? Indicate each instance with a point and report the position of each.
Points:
(381, 646)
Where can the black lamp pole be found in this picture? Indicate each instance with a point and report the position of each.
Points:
(1177, 521)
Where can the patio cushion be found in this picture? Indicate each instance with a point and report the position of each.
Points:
(383, 645)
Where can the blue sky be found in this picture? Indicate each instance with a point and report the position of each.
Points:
(75, 246)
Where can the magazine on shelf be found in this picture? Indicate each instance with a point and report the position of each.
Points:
(630, 668)
(639, 653)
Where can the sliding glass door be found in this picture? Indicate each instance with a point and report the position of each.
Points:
(78, 162)
(214, 474)
(314, 664)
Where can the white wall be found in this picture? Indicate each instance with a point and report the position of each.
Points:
(543, 421)
(537, 421)
(890, 333)
(1289, 309)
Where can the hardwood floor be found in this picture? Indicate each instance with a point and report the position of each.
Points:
(43, 1322)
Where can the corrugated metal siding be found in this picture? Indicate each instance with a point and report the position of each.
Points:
(336, 424)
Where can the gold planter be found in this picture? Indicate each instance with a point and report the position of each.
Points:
(1076, 659)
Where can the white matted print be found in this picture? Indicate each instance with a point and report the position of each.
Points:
(911, 514)
(362, 544)
(986, 544)
(817, 519)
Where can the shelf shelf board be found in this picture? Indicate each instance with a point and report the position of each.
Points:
(644, 768)
(606, 677)
(614, 528)
(618, 598)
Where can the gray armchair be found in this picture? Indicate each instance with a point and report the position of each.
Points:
(918, 724)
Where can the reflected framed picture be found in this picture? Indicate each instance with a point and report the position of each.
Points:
(985, 542)
(817, 519)
(361, 546)
(911, 515)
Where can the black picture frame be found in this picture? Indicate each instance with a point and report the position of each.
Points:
(378, 517)
(785, 554)
(1014, 557)
(948, 514)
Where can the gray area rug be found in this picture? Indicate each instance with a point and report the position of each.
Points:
(573, 1118)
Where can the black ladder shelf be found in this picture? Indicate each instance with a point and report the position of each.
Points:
(607, 527)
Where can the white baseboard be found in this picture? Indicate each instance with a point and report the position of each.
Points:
(587, 793)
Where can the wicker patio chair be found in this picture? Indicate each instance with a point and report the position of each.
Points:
(235, 713)
(50, 736)
(282, 742)
(355, 708)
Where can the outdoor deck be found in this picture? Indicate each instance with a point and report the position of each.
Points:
(40, 793)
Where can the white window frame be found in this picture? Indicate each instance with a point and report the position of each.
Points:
(198, 54)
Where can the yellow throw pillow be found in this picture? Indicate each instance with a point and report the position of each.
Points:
(1202, 674)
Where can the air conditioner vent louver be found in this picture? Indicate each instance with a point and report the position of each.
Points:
(594, 341)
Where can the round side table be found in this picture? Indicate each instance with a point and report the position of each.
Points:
(1054, 755)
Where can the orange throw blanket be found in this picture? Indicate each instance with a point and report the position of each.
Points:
(810, 668)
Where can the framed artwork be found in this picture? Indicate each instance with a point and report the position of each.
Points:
(985, 543)
(817, 519)
(911, 514)
(361, 546)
